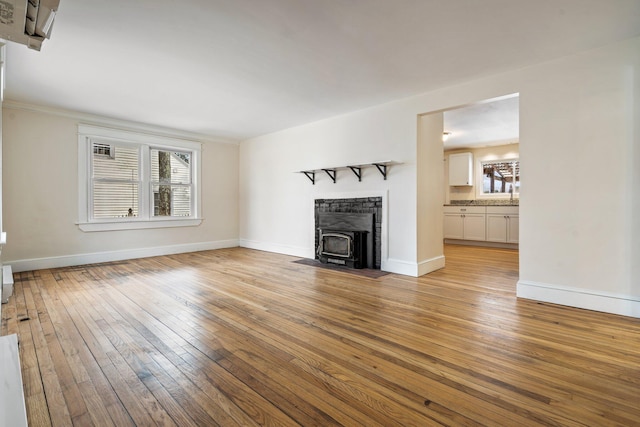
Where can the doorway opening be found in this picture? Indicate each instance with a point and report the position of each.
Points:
(481, 146)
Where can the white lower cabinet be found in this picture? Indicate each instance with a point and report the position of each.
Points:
(503, 224)
(464, 222)
(482, 223)
(453, 226)
(513, 229)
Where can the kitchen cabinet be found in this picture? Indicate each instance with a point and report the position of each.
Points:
(461, 169)
(503, 224)
(464, 222)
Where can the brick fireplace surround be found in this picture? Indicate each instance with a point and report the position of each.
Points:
(371, 205)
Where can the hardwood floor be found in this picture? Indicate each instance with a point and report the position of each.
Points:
(242, 337)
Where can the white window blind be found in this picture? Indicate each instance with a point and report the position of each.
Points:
(115, 181)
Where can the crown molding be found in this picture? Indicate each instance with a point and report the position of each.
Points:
(94, 119)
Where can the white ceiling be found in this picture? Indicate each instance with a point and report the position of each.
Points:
(493, 122)
(240, 68)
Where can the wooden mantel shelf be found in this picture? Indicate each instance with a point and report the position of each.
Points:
(356, 169)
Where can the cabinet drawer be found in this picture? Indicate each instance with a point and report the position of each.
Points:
(464, 210)
(503, 210)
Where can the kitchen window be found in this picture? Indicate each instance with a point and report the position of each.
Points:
(500, 177)
(130, 180)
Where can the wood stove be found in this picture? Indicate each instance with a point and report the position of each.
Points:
(343, 247)
(345, 238)
(349, 214)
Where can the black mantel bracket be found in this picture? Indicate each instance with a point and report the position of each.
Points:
(311, 175)
(357, 170)
(332, 174)
(383, 168)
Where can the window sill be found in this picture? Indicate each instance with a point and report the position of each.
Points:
(138, 225)
(497, 196)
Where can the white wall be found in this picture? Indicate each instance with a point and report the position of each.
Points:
(40, 192)
(277, 204)
(578, 133)
(578, 144)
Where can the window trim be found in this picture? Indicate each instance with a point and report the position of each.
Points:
(87, 133)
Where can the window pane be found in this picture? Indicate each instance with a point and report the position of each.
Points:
(115, 181)
(170, 167)
(115, 199)
(121, 163)
(103, 149)
(501, 177)
(171, 200)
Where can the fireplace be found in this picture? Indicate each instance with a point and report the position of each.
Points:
(352, 214)
(343, 247)
(348, 231)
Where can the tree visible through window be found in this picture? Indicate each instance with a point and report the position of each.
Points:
(171, 181)
(164, 168)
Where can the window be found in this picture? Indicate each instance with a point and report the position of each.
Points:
(103, 150)
(501, 177)
(129, 180)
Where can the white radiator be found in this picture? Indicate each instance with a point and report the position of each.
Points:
(7, 283)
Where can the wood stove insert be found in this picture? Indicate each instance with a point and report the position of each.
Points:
(346, 239)
(343, 247)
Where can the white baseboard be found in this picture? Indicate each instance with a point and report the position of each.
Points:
(97, 257)
(413, 269)
(429, 265)
(625, 305)
(391, 265)
(398, 266)
(482, 243)
(298, 251)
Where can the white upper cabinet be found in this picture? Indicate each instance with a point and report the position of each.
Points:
(461, 169)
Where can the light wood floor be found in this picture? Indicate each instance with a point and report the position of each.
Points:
(242, 337)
